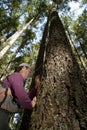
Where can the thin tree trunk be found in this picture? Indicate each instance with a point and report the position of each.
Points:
(61, 102)
(16, 36)
(83, 49)
(78, 55)
(9, 64)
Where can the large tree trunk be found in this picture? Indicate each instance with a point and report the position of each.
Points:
(61, 103)
(38, 71)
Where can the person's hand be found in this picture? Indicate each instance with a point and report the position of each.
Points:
(33, 102)
(37, 79)
(37, 82)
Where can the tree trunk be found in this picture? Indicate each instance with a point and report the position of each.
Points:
(38, 71)
(61, 102)
(83, 49)
(78, 56)
(10, 63)
(12, 41)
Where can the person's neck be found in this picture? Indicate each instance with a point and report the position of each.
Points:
(22, 74)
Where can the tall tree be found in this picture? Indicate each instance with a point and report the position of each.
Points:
(38, 71)
(12, 41)
(58, 73)
(61, 102)
(80, 31)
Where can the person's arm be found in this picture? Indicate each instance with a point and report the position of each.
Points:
(20, 94)
(34, 102)
(34, 91)
(37, 84)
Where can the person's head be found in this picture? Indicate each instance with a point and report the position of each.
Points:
(24, 70)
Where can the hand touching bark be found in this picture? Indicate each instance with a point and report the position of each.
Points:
(37, 82)
(33, 102)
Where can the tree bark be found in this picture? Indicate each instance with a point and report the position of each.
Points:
(38, 71)
(62, 101)
(82, 62)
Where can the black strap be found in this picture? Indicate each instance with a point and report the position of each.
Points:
(4, 97)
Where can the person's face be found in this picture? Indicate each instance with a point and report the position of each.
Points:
(26, 71)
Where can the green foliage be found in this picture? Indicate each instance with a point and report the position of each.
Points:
(15, 15)
(84, 1)
(80, 29)
(77, 30)
(59, 1)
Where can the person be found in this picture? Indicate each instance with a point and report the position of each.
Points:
(25, 100)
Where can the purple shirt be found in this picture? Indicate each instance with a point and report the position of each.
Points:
(16, 82)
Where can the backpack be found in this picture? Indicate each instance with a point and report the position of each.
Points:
(6, 100)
